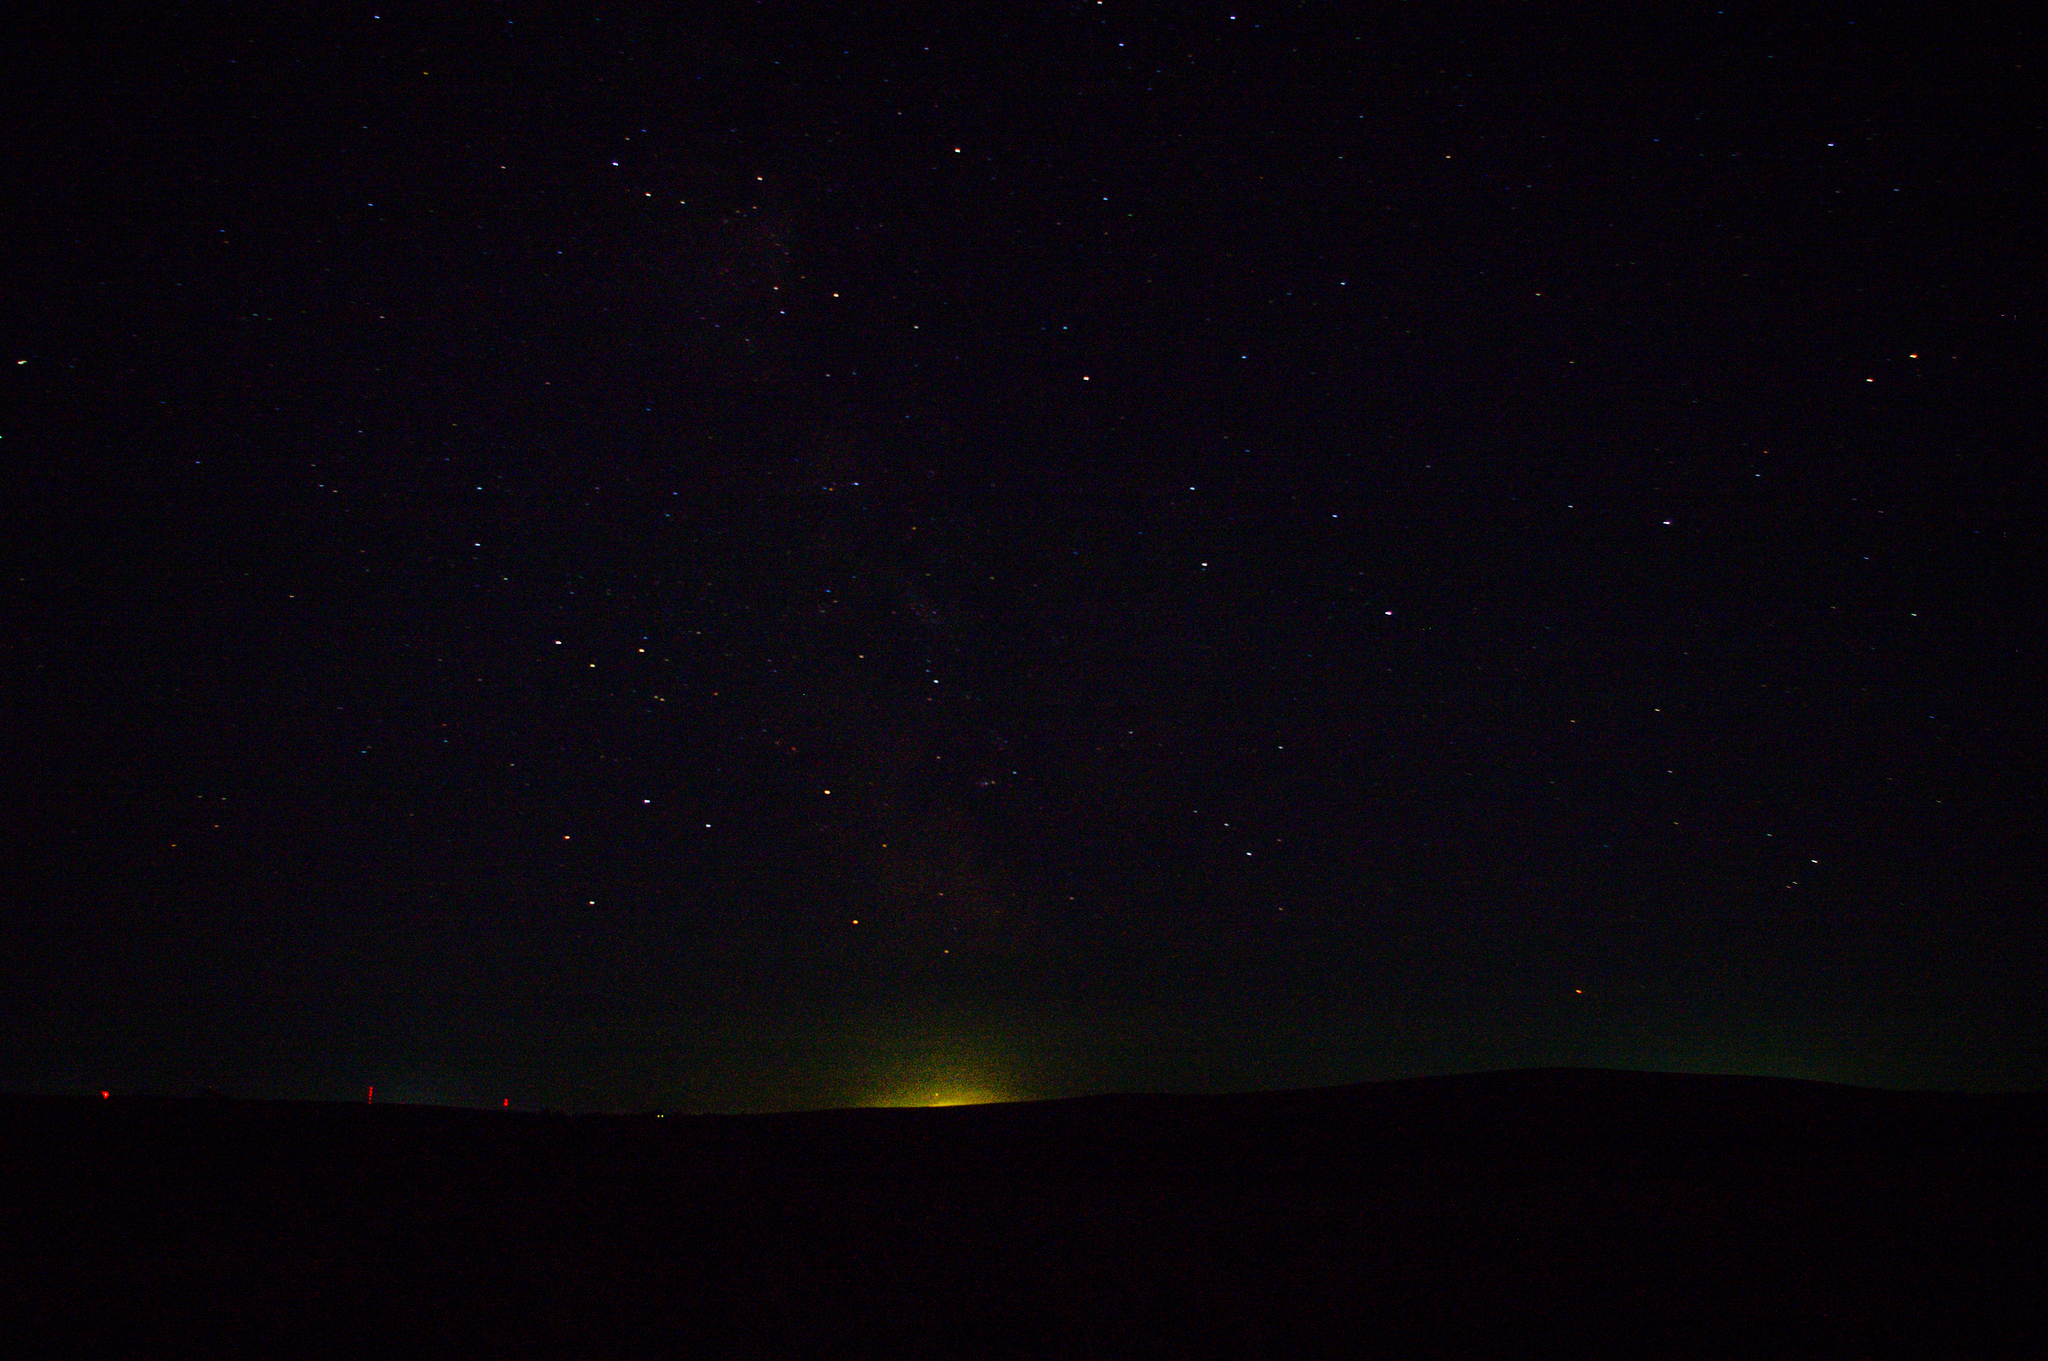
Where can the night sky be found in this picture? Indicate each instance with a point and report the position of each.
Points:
(782, 557)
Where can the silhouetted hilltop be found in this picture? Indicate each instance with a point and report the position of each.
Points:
(1512, 1213)
(1519, 1107)
(1511, 1107)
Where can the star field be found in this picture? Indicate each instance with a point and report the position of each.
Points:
(741, 562)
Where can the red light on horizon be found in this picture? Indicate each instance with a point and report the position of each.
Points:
(370, 1099)
(106, 1096)
(508, 1101)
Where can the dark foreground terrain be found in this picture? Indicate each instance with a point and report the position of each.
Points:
(1551, 1213)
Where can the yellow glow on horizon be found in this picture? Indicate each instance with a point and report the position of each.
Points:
(944, 1096)
(935, 1067)
(965, 1098)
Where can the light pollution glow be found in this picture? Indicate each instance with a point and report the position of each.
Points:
(940, 1079)
(944, 1096)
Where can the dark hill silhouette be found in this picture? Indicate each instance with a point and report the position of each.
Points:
(1534, 1212)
